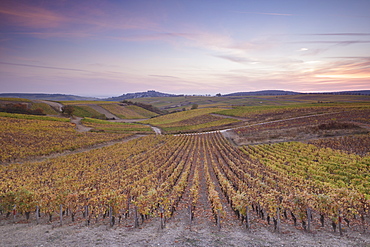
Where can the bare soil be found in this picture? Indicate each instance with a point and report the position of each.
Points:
(177, 232)
(79, 126)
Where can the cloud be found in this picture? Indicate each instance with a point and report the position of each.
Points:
(43, 67)
(29, 16)
(76, 19)
(346, 42)
(237, 59)
(350, 69)
(340, 34)
(165, 76)
(330, 45)
(165, 36)
(264, 13)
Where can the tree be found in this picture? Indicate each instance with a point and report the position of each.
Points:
(68, 110)
(218, 95)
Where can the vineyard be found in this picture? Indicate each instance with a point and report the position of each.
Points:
(128, 111)
(155, 177)
(334, 122)
(22, 136)
(276, 112)
(196, 120)
(274, 175)
(98, 125)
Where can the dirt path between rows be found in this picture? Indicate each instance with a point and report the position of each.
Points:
(79, 126)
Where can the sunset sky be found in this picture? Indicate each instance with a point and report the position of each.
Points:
(107, 48)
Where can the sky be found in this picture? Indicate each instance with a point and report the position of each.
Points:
(106, 48)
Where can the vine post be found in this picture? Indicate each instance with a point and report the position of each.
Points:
(309, 214)
(340, 223)
(162, 217)
(37, 214)
(61, 214)
(87, 215)
(218, 219)
(278, 220)
(111, 217)
(14, 213)
(247, 218)
(190, 213)
(136, 218)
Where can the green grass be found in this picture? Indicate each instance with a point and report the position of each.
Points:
(36, 117)
(45, 107)
(179, 116)
(141, 111)
(16, 99)
(197, 127)
(191, 121)
(129, 111)
(86, 111)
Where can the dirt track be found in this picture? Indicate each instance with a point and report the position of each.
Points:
(176, 233)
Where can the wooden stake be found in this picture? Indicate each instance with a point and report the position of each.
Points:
(278, 220)
(218, 219)
(61, 214)
(190, 213)
(111, 217)
(14, 213)
(87, 215)
(37, 214)
(308, 219)
(162, 218)
(340, 223)
(248, 225)
(136, 218)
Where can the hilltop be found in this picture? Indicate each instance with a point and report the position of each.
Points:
(263, 93)
(147, 94)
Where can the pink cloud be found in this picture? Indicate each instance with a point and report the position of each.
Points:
(54, 19)
(23, 15)
(264, 13)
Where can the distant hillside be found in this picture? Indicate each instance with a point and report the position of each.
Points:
(150, 93)
(42, 96)
(359, 92)
(282, 92)
(264, 92)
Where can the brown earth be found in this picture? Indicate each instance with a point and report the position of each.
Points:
(177, 232)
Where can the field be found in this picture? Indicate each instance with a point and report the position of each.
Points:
(36, 105)
(116, 127)
(280, 175)
(24, 136)
(128, 111)
(196, 120)
(178, 103)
